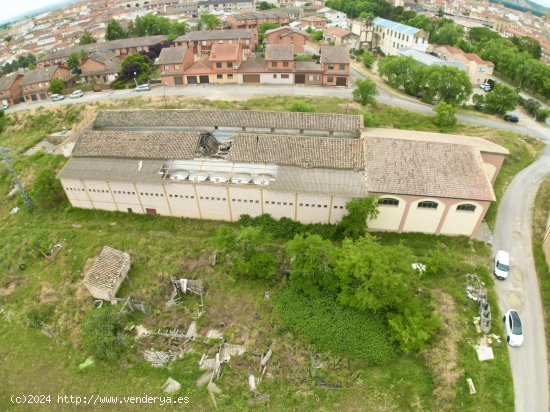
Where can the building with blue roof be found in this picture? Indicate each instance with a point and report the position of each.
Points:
(390, 36)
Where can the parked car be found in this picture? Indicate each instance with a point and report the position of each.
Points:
(57, 97)
(143, 88)
(4, 106)
(76, 94)
(502, 264)
(514, 328)
(511, 118)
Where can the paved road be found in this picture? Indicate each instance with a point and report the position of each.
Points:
(244, 92)
(521, 291)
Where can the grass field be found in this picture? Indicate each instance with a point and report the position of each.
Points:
(160, 247)
(540, 221)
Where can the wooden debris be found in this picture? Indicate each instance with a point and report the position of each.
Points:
(325, 385)
(476, 323)
(471, 386)
(206, 377)
(158, 359)
(212, 387)
(227, 350)
(266, 357)
(171, 386)
(316, 361)
(192, 331)
(262, 398)
(214, 334)
(252, 383)
(208, 363)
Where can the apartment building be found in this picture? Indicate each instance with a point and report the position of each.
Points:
(478, 70)
(390, 36)
(201, 42)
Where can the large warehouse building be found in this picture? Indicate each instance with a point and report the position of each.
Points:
(221, 164)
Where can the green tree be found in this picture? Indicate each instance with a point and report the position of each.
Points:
(312, 264)
(135, 63)
(208, 21)
(47, 191)
(449, 33)
(177, 29)
(87, 38)
(73, 61)
(440, 12)
(401, 73)
(364, 92)
(445, 83)
(32, 66)
(479, 101)
(528, 45)
(250, 252)
(542, 114)
(372, 276)
(82, 55)
(354, 223)
(501, 99)
(368, 59)
(8, 38)
(102, 333)
(445, 114)
(423, 22)
(115, 31)
(57, 85)
(264, 5)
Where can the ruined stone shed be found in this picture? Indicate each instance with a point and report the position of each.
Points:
(107, 273)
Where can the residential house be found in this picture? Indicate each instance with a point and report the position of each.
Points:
(280, 63)
(478, 70)
(253, 70)
(390, 36)
(335, 63)
(10, 88)
(100, 67)
(121, 48)
(226, 6)
(201, 42)
(172, 63)
(342, 37)
(220, 66)
(36, 83)
(254, 20)
(287, 35)
(313, 22)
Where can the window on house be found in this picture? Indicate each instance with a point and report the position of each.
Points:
(218, 65)
(219, 76)
(330, 79)
(274, 76)
(342, 67)
(230, 76)
(427, 205)
(273, 64)
(285, 64)
(388, 201)
(176, 66)
(166, 67)
(331, 66)
(230, 64)
(466, 207)
(285, 76)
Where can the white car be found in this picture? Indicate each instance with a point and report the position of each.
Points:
(514, 328)
(502, 265)
(57, 97)
(4, 106)
(142, 88)
(76, 94)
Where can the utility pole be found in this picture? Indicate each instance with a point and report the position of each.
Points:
(4, 151)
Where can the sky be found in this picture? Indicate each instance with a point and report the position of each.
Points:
(14, 8)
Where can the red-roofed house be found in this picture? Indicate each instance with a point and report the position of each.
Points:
(313, 21)
(287, 35)
(342, 37)
(478, 70)
(172, 63)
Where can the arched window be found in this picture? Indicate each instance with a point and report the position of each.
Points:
(427, 205)
(466, 207)
(388, 201)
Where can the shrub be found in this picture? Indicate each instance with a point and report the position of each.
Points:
(38, 314)
(47, 190)
(286, 228)
(300, 106)
(331, 327)
(102, 333)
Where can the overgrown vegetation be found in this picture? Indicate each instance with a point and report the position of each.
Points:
(330, 327)
(102, 333)
(541, 214)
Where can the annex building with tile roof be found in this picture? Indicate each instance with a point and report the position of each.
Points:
(221, 164)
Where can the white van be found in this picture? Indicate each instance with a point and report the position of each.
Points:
(502, 264)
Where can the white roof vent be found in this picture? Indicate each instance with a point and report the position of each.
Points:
(263, 179)
(241, 178)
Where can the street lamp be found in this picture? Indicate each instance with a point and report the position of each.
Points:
(135, 74)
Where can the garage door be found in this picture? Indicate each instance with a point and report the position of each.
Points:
(191, 79)
(178, 80)
(299, 78)
(251, 78)
(204, 79)
(341, 81)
